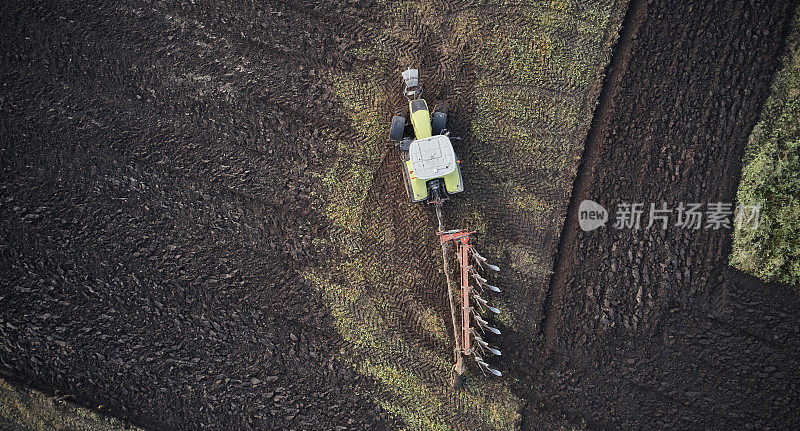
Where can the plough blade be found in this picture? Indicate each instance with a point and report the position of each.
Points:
(492, 288)
(483, 303)
(485, 367)
(483, 262)
(465, 333)
(482, 282)
(484, 325)
(483, 345)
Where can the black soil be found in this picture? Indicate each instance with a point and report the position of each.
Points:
(649, 328)
(154, 218)
(149, 241)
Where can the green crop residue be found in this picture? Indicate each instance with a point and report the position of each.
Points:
(521, 81)
(530, 134)
(366, 297)
(27, 409)
(771, 178)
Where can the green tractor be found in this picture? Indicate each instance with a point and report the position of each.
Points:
(430, 167)
(432, 173)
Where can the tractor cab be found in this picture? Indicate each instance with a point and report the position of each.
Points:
(430, 166)
(431, 162)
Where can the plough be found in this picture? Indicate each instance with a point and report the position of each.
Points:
(468, 341)
(432, 172)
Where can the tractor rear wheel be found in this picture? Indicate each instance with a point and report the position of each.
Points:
(398, 127)
(439, 122)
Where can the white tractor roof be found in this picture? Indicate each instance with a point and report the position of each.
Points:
(432, 157)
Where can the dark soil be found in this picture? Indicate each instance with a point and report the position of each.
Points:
(149, 241)
(155, 217)
(650, 328)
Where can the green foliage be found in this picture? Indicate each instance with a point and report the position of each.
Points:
(771, 177)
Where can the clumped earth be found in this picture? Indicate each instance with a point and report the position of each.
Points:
(649, 327)
(156, 208)
(203, 224)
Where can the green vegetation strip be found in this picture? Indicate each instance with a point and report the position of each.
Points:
(523, 78)
(24, 409)
(771, 178)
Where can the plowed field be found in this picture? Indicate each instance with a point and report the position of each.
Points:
(204, 224)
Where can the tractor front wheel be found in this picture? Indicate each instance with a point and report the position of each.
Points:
(398, 128)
